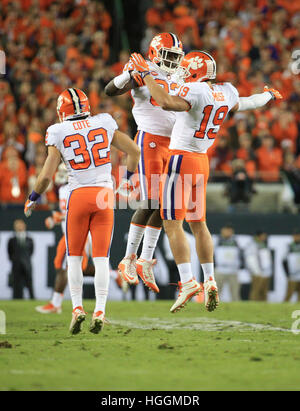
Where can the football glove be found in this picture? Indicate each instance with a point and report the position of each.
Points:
(135, 75)
(128, 66)
(274, 93)
(49, 223)
(125, 188)
(137, 78)
(57, 217)
(29, 207)
(31, 203)
(140, 64)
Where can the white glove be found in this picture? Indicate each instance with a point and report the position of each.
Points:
(49, 223)
(125, 188)
(29, 207)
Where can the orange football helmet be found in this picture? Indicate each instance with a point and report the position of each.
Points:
(165, 50)
(72, 103)
(197, 66)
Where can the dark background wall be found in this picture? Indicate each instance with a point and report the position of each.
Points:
(242, 223)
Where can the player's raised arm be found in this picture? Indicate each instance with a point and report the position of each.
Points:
(163, 99)
(44, 179)
(126, 81)
(257, 100)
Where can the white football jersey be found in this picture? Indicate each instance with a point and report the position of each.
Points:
(195, 130)
(63, 195)
(85, 148)
(148, 115)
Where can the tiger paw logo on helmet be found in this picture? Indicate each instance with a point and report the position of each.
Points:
(156, 41)
(197, 62)
(197, 66)
(165, 51)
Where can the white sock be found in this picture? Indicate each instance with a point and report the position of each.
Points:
(151, 237)
(185, 272)
(75, 279)
(57, 299)
(101, 282)
(208, 271)
(135, 236)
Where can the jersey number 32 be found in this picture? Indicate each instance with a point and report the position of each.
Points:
(88, 155)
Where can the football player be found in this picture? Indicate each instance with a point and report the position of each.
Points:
(60, 264)
(83, 141)
(201, 107)
(153, 138)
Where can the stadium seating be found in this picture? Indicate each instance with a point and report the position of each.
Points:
(57, 44)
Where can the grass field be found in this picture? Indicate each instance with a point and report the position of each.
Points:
(241, 346)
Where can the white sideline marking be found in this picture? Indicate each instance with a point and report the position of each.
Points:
(201, 324)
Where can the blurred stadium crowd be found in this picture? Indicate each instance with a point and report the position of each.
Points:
(52, 45)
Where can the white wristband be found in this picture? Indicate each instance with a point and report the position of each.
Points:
(121, 80)
(254, 101)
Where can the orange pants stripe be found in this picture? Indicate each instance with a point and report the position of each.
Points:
(90, 209)
(183, 189)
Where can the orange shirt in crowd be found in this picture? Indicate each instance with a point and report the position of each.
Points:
(269, 162)
(289, 132)
(250, 165)
(155, 17)
(6, 182)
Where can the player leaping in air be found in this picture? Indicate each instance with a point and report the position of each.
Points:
(153, 138)
(201, 107)
(83, 141)
(60, 261)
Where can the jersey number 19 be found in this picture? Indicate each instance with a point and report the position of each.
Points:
(217, 121)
